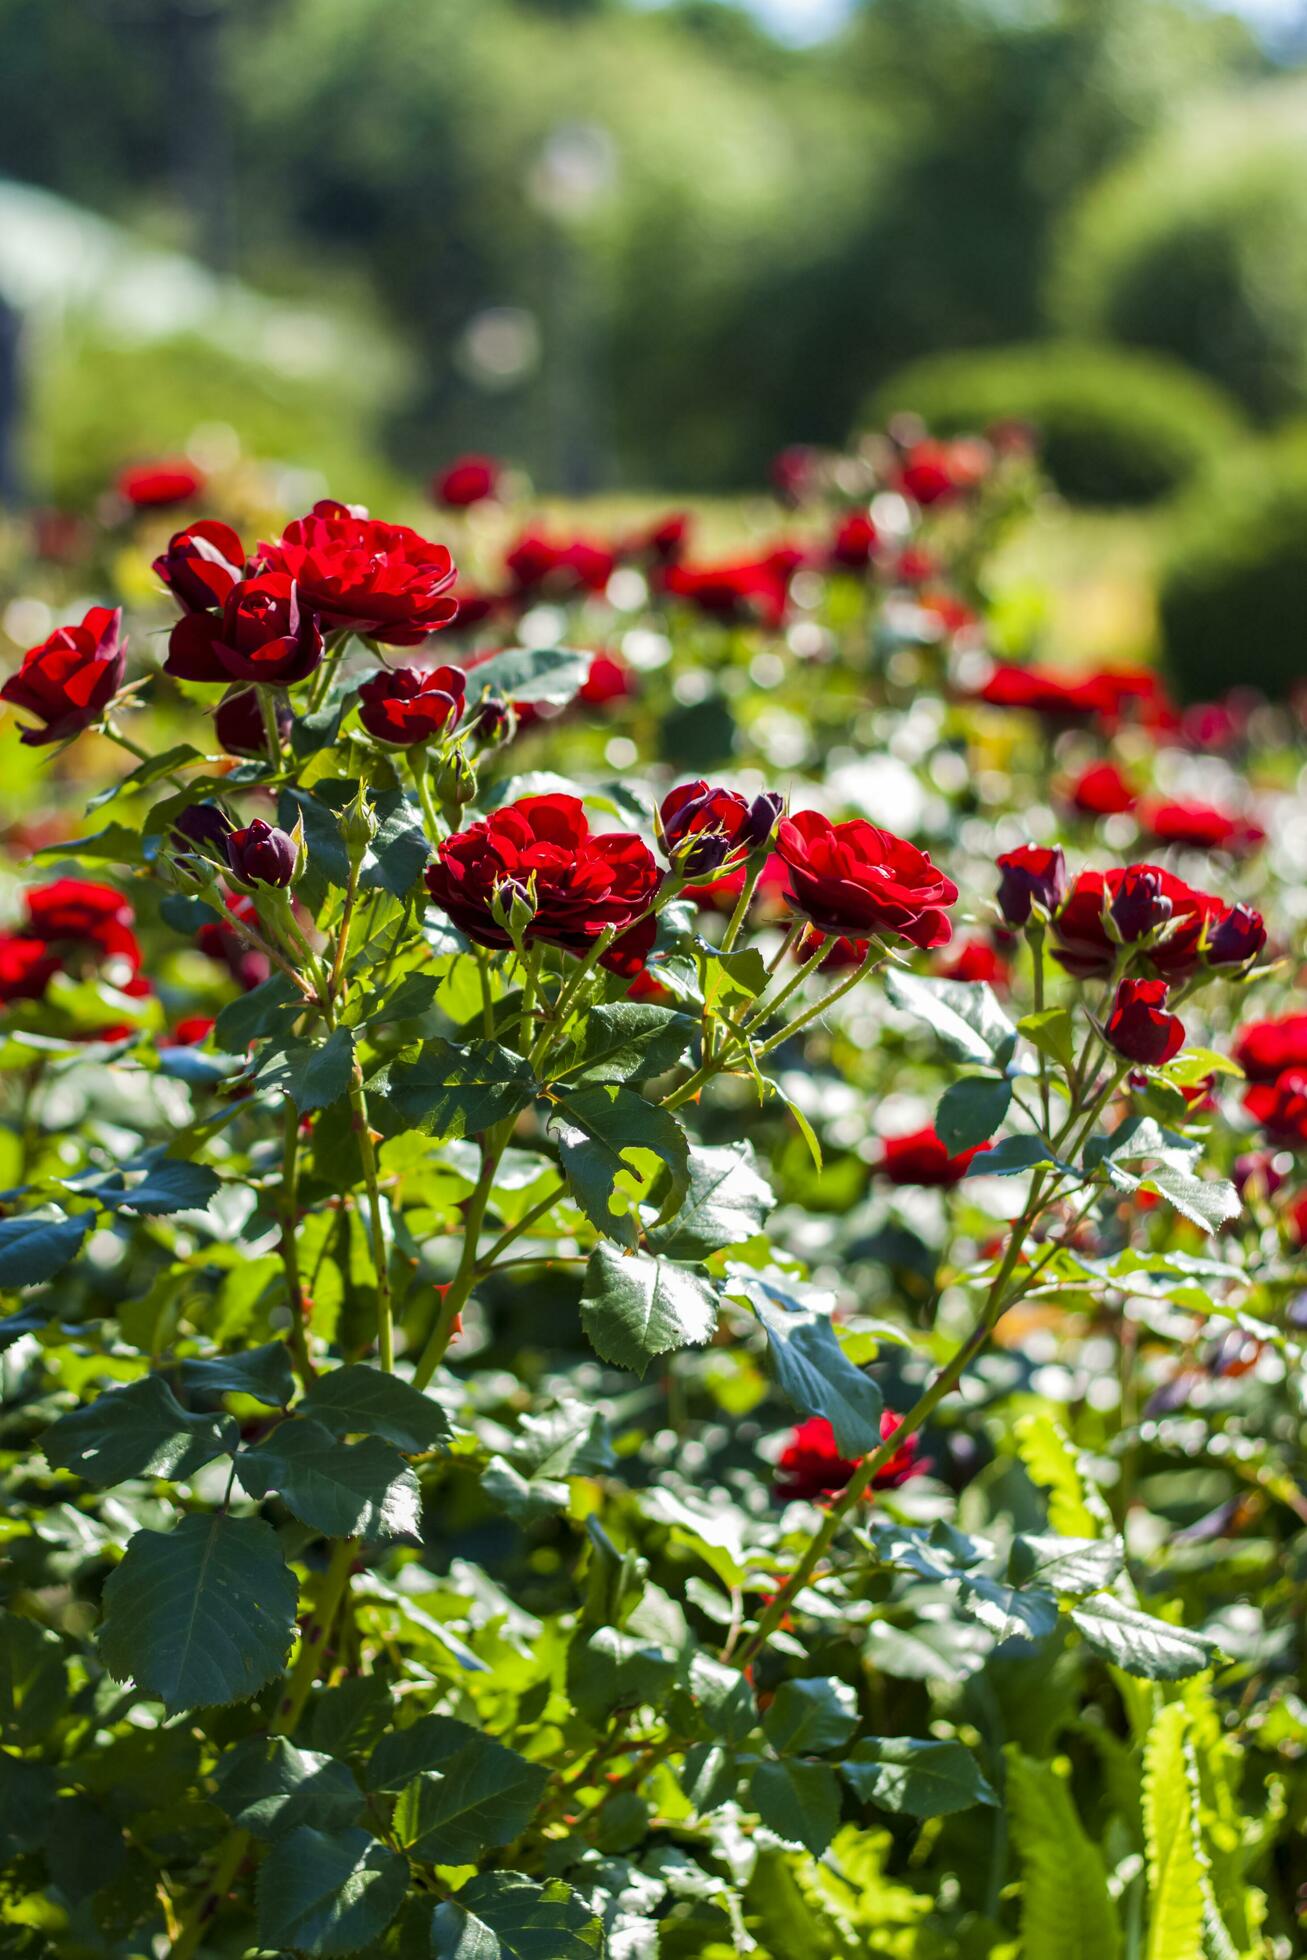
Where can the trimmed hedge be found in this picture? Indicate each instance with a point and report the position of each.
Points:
(1115, 427)
(1232, 599)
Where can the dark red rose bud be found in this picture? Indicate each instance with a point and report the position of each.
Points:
(1084, 946)
(411, 704)
(362, 576)
(1237, 938)
(264, 633)
(853, 880)
(468, 481)
(702, 828)
(201, 564)
(1138, 1026)
(203, 824)
(1139, 905)
(69, 680)
(238, 724)
(1031, 875)
(261, 855)
(493, 722)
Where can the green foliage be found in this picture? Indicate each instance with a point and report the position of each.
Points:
(1066, 1910)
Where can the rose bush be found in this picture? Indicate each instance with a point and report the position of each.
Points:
(644, 1315)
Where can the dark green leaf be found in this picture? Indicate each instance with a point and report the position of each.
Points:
(813, 1370)
(483, 1795)
(325, 1893)
(201, 1614)
(611, 1669)
(1209, 1203)
(964, 1014)
(918, 1778)
(626, 1040)
(1135, 1641)
(320, 1074)
(268, 1787)
(1052, 1032)
(145, 773)
(33, 1249)
(138, 1431)
(346, 1490)
(1065, 1565)
(327, 858)
(809, 1717)
(449, 1091)
(799, 1801)
(399, 852)
(169, 1185)
(1009, 1157)
(507, 1916)
(268, 1009)
(971, 1110)
(634, 1307)
(710, 1777)
(610, 1140)
(723, 1698)
(33, 1680)
(264, 1373)
(726, 1203)
(358, 1400)
(537, 674)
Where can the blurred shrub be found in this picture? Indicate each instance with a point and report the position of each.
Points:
(1233, 591)
(1115, 427)
(1198, 248)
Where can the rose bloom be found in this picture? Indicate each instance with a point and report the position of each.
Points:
(1083, 945)
(264, 633)
(577, 566)
(810, 1465)
(1281, 1108)
(27, 967)
(192, 1031)
(72, 913)
(854, 880)
(1033, 874)
(470, 480)
(153, 486)
(542, 852)
(920, 1158)
(1200, 825)
(1041, 691)
(840, 953)
(362, 576)
(976, 960)
(606, 681)
(238, 723)
(701, 828)
(752, 590)
(851, 548)
(1102, 791)
(68, 680)
(201, 564)
(1264, 1049)
(408, 705)
(1139, 1027)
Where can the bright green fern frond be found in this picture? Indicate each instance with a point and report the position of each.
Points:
(1066, 1910)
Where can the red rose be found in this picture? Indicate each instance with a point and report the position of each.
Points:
(1136, 900)
(920, 1158)
(1281, 1107)
(407, 705)
(1033, 874)
(201, 564)
(1138, 1026)
(468, 481)
(927, 473)
(855, 880)
(1239, 937)
(1266, 1048)
(538, 563)
(190, 1032)
(153, 486)
(362, 576)
(662, 543)
(975, 960)
(700, 828)
(606, 681)
(72, 913)
(1201, 826)
(914, 567)
(1102, 791)
(754, 589)
(261, 854)
(27, 967)
(238, 724)
(851, 548)
(1040, 692)
(540, 853)
(811, 1465)
(840, 953)
(69, 680)
(264, 633)
(1131, 694)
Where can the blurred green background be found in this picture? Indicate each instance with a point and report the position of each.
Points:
(636, 246)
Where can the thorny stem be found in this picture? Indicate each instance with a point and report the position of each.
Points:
(460, 1287)
(358, 1104)
(271, 732)
(289, 1248)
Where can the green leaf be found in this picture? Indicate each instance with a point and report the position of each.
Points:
(611, 1669)
(814, 1372)
(634, 1307)
(539, 674)
(399, 853)
(146, 773)
(1209, 1203)
(138, 1431)
(612, 1145)
(916, 1778)
(449, 1091)
(507, 1916)
(359, 1400)
(33, 1680)
(1052, 1031)
(1065, 1565)
(117, 843)
(35, 1248)
(964, 1014)
(1075, 1508)
(202, 1614)
(971, 1110)
(263, 1373)
(169, 1185)
(1066, 1909)
(268, 1787)
(626, 1040)
(723, 1698)
(1177, 1879)
(324, 1893)
(726, 1203)
(327, 861)
(481, 1796)
(345, 1490)
(1009, 1157)
(799, 1801)
(810, 1716)
(271, 1008)
(1137, 1642)
(320, 1074)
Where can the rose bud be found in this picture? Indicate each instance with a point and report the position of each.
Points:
(69, 680)
(238, 724)
(701, 828)
(201, 564)
(201, 824)
(263, 633)
(1029, 876)
(493, 722)
(1139, 1027)
(261, 854)
(411, 704)
(1238, 938)
(455, 780)
(469, 480)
